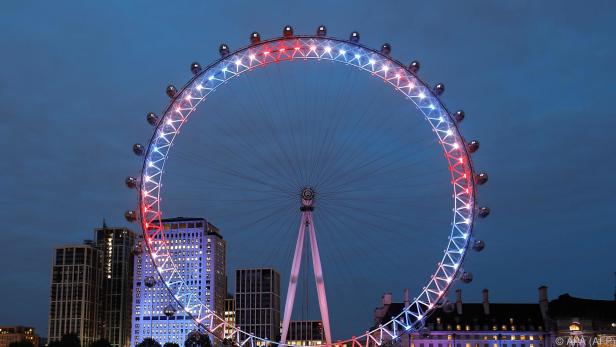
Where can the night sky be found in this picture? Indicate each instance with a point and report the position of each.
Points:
(533, 77)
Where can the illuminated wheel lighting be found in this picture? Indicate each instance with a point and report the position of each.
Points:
(319, 48)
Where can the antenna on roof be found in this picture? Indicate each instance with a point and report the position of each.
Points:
(615, 286)
(104, 223)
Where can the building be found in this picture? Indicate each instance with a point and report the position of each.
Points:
(306, 333)
(483, 324)
(117, 245)
(10, 334)
(580, 322)
(229, 314)
(76, 286)
(201, 250)
(257, 302)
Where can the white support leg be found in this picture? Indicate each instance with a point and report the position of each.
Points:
(318, 276)
(297, 261)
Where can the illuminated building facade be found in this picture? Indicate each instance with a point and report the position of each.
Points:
(229, 314)
(306, 333)
(257, 302)
(482, 324)
(10, 334)
(117, 245)
(200, 252)
(76, 287)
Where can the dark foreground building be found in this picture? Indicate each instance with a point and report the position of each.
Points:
(257, 302)
(566, 321)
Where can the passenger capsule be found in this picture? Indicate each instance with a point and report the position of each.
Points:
(466, 277)
(171, 91)
(195, 68)
(414, 66)
(473, 146)
(459, 116)
(130, 216)
(439, 89)
(131, 182)
(386, 48)
(481, 178)
(287, 31)
(448, 307)
(152, 118)
(255, 37)
(354, 37)
(321, 30)
(479, 245)
(223, 50)
(483, 212)
(138, 149)
(149, 281)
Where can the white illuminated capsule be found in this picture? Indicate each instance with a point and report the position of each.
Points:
(255, 37)
(195, 68)
(223, 50)
(354, 37)
(321, 30)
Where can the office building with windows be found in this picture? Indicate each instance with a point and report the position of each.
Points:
(76, 287)
(306, 333)
(117, 245)
(257, 302)
(200, 249)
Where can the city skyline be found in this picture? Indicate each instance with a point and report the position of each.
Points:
(532, 108)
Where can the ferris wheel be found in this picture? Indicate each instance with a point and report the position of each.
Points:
(304, 179)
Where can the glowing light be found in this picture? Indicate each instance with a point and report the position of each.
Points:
(199, 87)
(238, 62)
(224, 69)
(252, 57)
(357, 56)
(187, 97)
(455, 145)
(422, 95)
(385, 68)
(297, 48)
(467, 221)
(169, 122)
(432, 107)
(342, 51)
(266, 52)
(312, 48)
(150, 164)
(449, 132)
(397, 75)
(210, 78)
(328, 49)
(371, 61)
(440, 119)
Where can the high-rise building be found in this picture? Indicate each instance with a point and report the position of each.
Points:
(10, 334)
(117, 245)
(199, 247)
(257, 302)
(76, 286)
(229, 314)
(306, 333)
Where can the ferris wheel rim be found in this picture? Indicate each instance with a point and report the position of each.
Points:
(422, 308)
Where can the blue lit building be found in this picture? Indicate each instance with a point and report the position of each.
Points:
(198, 246)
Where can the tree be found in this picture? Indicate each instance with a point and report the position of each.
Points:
(171, 344)
(22, 343)
(70, 340)
(149, 342)
(197, 339)
(101, 343)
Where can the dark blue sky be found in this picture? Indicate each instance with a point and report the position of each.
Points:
(533, 77)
